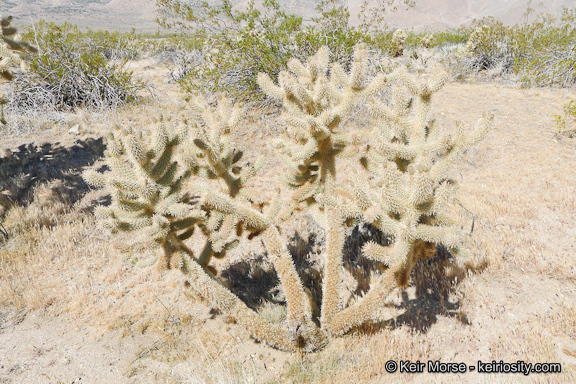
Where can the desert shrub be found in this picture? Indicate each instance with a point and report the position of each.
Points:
(252, 40)
(385, 42)
(545, 50)
(238, 44)
(189, 178)
(449, 37)
(568, 119)
(488, 47)
(75, 69)
(330, 29)
(540, 52)
(156, 45)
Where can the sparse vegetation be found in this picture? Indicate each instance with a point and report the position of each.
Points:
(238, 44)
(568, 119)
(540, 52)
(293, 250)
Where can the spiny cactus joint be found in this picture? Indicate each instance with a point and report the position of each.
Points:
(12, 53)
(161, 188)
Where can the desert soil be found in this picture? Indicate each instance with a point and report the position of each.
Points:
(75, 310)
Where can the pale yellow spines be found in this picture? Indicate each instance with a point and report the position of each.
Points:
(315, 105)
(222, 298)
(214, 155)
(145, 183)
(268, 86)
(358, 74)
(12, 53)
(159, 189)
(335, 237)
(409, 157)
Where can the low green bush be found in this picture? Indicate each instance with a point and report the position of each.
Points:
(75, 69)
(238, 44)
(540, 52)
(568, 119)
(545, 50)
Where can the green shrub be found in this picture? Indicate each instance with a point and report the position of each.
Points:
(330, 29)
(569, 118)
(449, 37)
(545, 50)
(75, 69)
(488, 45)
(153, 46)
(252, 40)
(240, 44)
(541, 52)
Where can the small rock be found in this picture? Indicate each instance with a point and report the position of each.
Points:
(75, 130)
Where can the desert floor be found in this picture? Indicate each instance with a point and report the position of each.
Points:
(74, 309)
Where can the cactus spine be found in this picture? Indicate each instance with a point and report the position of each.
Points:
(161, 188)
(409, 157)
(12, 53)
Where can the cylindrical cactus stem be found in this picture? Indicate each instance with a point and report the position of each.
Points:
(335, 238)
(218, 296)
(366, 308)
(299, 310)
(396, 276)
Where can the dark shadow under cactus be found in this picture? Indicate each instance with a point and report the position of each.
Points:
(32, 165)
(305, 253)
(435, 280)
(254, 281)
(361, 267)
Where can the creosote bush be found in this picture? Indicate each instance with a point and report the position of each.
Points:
(162, 190)
(75, 69)
(541, 52)
(240, 42)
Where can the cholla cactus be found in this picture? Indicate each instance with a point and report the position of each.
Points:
(315, 107)
(152, 190)
(398, 38)
(428, 40)
(478, 41)
(161, 189)
(409, 157)
(12, 53)
(407, 198)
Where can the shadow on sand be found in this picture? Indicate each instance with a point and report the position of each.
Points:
(435, 281)
(32, 165)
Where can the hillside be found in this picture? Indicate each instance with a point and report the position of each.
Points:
(140, 14)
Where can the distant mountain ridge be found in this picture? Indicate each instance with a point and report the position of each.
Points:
(141, 14)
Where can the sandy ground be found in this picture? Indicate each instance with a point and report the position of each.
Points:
(86, 315)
